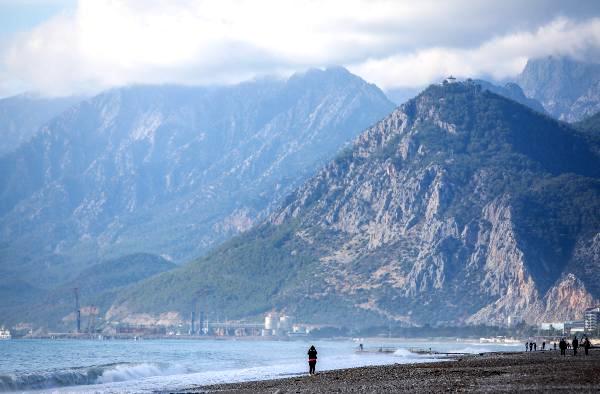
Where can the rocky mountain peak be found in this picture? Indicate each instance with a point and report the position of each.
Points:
(566, 87)
(461, 206)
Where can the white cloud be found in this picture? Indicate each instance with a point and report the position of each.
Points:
(500, 57)
(104, 43)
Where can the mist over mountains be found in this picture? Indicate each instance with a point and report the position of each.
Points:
(467, 204)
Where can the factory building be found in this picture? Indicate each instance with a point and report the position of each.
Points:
(277, 324)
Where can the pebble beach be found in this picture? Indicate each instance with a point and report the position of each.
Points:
(489, 372)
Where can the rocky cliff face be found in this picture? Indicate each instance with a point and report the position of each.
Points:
(170, 170)
(461, 206)
(568, 89)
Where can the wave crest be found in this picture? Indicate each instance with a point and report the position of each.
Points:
(98, 374)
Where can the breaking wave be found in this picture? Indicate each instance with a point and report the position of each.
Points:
(404, 353)
(99, 374)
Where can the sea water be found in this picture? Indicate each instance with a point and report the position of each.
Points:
(168, 365)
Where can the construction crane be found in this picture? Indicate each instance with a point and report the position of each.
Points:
(77, 310)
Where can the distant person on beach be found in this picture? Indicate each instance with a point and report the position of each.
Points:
(535, 346)
(544, 345)
(361, 347)
(526, 346)
(575, 346)
(554, 346)
(531, 346)
(586, 345)
(563, 347)
(312, 360)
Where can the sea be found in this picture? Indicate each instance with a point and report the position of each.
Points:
(162, 365)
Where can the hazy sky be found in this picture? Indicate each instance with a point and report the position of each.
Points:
(64, 47)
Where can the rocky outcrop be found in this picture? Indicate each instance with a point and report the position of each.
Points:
(566, 300)
(506, 277)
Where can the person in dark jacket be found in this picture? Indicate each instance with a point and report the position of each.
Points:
(575, 346)
(526, 346)
(563, 347)
(586, 345)
(312, 360)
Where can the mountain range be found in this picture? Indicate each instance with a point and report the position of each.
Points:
(467, 204)
(459, 207)
(169, 170)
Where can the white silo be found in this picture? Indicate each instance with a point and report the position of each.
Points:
(285, 323)
(271, 321)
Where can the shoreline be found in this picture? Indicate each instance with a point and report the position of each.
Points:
(485, 372)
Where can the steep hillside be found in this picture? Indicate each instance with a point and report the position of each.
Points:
(169, 170)
(21, 117)
(568, 89)
(461, 206)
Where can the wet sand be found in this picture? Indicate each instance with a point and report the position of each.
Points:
(492, 372)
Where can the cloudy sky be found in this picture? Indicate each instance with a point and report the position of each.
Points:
(66, 47)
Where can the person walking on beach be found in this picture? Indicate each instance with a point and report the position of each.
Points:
(575, 346)
(312, 360)
(554, 346)
(531, 346)
(535, 346)
(563, 347)
(586, 345)
(544, 345)
(526, 346)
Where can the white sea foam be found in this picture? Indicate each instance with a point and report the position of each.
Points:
(124, 372)
(405, 353)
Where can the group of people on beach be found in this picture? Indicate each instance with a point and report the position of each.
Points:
(563, 345)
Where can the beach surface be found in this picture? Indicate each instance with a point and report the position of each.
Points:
(492, 372)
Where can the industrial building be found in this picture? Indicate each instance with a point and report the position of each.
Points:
(277, 324)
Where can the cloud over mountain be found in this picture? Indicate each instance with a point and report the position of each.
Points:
(100, 44)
